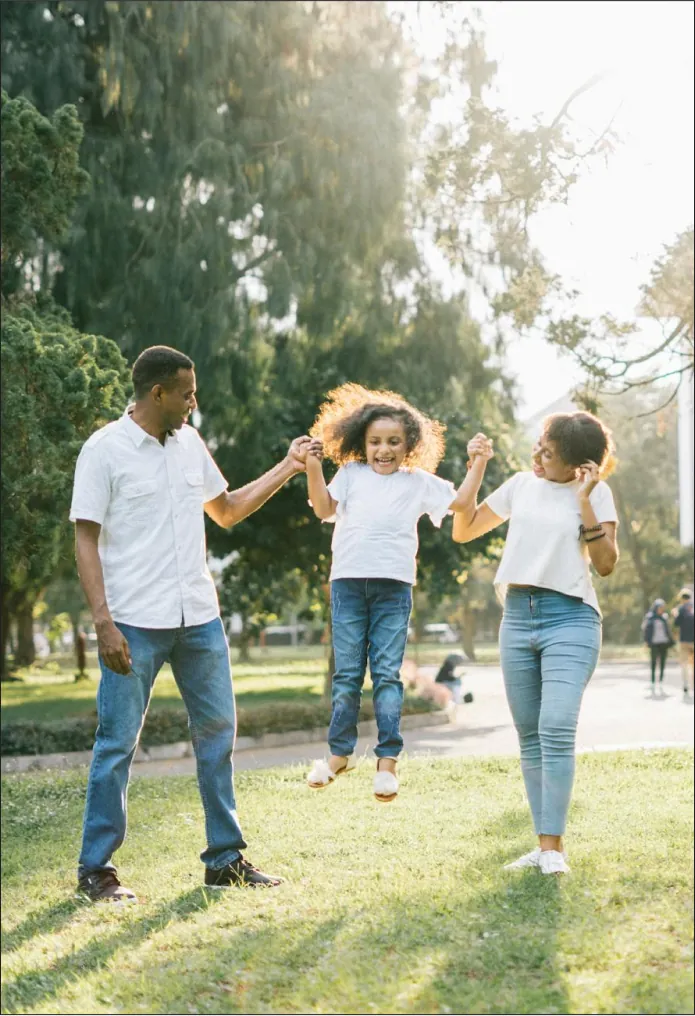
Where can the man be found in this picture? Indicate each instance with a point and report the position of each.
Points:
(142, 484)
(685, 625)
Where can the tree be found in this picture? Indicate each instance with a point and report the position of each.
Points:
(645, 486)
(41, 178)
(613, 355)
(57, 384)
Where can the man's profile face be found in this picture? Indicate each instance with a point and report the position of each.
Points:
(177, 401)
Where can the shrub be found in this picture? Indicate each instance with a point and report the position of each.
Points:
(166, 726)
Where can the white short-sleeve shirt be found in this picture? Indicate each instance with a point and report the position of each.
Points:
(376, 520)
(148, 499)
(543, 547)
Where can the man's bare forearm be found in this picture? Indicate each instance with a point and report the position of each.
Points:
(246, 500)
(90, 572)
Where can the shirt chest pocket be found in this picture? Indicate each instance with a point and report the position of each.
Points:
(193, 492)
(138, 501)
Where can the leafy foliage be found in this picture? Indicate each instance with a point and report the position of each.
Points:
(41, 175)
(645, 486)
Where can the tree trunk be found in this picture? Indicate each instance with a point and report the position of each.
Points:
(6, 623)
(244, 643)
(633, 545)
(80, 644)
(468, 632)
(26, 650)
(330, 667)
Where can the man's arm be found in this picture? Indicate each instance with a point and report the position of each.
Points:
(232, 506)
(113, 647)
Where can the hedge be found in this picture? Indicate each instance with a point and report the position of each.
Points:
(166, 726)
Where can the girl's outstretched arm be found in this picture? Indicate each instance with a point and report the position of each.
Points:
(321, 501)
(470, 519)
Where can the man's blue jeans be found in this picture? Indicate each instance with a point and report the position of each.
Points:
(370, 621)
(199, 658)
(549, 648)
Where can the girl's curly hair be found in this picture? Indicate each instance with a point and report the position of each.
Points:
(346, 414)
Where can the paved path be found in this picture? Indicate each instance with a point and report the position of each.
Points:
(618, 711)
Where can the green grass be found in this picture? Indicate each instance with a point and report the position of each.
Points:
(398, 909)
(56, 697)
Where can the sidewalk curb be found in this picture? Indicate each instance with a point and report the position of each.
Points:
(184, 749)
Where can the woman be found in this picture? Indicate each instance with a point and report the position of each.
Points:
(562, 519)
(657, 635)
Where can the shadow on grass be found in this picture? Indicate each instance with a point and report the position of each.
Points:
(30, 989)
(46, 921)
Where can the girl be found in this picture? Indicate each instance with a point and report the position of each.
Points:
(562, 520)
(387, 452)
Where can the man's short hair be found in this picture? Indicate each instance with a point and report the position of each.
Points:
(158, 365)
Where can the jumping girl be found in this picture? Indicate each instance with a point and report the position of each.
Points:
(387, 452)
(562, 520)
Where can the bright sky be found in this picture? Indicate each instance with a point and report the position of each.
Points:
(621, 213)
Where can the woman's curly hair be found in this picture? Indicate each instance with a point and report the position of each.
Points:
(579, 437)
(346, 414)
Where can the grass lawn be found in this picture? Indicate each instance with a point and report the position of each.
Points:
(55, 697)
(387, 909)
(272, 676)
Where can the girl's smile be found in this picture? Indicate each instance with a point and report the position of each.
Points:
(385, 445)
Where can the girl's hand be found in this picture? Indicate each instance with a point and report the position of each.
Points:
(589, 475)
(315, 449)
(480, 446)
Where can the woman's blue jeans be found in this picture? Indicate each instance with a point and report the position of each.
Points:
(199, 658)
(369, 618)
(549, 648)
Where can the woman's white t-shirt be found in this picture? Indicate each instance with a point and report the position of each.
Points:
(543, 547)
(376, 520)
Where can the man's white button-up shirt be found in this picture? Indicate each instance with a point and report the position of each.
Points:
(148, 499)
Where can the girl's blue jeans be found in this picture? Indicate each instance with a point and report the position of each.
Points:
(549, 648)
(199, 658)
(370, 622)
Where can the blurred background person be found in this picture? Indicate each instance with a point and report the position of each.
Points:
(656, 631)
(684, 624)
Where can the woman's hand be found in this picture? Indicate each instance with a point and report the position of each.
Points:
(589, 475)
(480, 446)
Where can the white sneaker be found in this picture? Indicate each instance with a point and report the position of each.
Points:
(385, 786)
(552, 862)
(321, 773)
(529, 860)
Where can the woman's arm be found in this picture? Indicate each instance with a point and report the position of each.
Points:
(321, 501)
(602, 541)
(471, 520)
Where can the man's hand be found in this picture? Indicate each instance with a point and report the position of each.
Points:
(296, 456)
(113, 648)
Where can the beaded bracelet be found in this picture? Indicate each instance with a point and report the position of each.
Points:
(592, 529)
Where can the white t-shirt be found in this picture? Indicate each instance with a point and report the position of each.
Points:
(543, 546)
(376, 520)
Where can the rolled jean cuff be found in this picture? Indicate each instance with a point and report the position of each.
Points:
(228, 858)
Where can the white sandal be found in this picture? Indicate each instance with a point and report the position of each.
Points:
(321, 774)
(385, 785)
